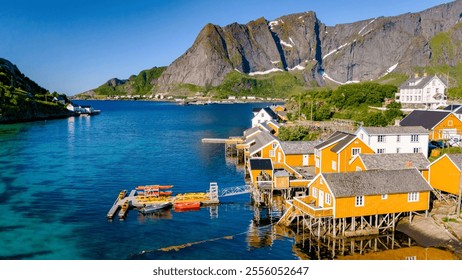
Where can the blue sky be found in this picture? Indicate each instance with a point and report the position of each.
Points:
(70, 46)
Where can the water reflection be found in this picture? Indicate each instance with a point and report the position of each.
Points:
(264, 230)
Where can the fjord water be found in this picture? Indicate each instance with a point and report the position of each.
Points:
(59, 178)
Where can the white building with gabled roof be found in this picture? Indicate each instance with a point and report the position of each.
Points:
(427, 91)
(395, 139)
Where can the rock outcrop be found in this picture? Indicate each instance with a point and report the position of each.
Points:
(359, 51)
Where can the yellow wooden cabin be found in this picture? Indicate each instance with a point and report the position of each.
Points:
(299, 153)
(444, 173)
(442, 125)
(335, 154)
(367, 193)
(261, 173)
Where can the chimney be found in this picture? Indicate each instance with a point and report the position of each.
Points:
(425, 74)
(408, 164)
(416, 75)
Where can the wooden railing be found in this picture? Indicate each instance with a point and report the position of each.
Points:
(311, 210)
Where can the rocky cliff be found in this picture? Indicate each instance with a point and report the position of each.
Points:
(359, 51)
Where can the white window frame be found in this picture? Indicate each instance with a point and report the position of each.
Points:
(359, 201)
(274, 145)
(315, 192)
(381, 151)
(417, 150)
(414, 138)
(398, 150)
(384, 196)
(272, 153)
(355, 151)
(328, 199)
(413, 197)
(334, 165)
(398, 138)
(381, 138)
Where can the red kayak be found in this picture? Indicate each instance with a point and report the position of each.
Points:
(187, 205)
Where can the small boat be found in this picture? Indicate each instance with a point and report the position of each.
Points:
(151, 208)
(122, 194)
(187, 205)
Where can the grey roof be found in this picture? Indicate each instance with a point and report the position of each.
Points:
(335, 137)
(298, 147)
(395, 130)
(419, 82)
(395, 161)
(251, 131)
(458, 111)
(376, 182)
(343, 143)
(267, 127)
(457, 159)
(427, 119)
(261, 140)
(260, 164)
(281, 173)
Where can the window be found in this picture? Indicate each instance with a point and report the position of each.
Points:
(398, 138)
(358, 168)
(411, 258)
(315, 192)
(381, 138)
(334, 165)
(262, 115)
(384, 196)
(414, 138)
(359, 201)
(381, 151)
(355, 151)
(450, 123)
(328, 200)
(321, 181)
(397, 150)
(413, 197)
(316, 162)
(274, 145)
(428, 90)
(272, 153)
(417, 150)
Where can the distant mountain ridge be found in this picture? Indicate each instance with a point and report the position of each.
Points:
(300, 43)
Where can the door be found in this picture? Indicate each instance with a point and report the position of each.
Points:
(305, 160)
(321, 199)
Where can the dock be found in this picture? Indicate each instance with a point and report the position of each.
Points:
(124, 203)
(229, 141)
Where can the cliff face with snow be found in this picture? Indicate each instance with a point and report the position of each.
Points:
(359, 51)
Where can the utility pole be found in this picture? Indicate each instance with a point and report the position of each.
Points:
(299, 107)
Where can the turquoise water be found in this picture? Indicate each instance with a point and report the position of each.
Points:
(59, 178)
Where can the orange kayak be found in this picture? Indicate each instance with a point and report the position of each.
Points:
(187, 205)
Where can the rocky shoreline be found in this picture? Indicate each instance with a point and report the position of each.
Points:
(439, 229)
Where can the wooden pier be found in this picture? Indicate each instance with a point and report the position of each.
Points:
(124, 203)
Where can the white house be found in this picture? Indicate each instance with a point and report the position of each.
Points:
(427, 91)
(395, 139)
(263, 115)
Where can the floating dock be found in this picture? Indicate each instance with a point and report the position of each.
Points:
(145, 195)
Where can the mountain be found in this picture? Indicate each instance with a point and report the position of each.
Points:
(21, 99)
(143, 83)
(359, 51)
(297, 51)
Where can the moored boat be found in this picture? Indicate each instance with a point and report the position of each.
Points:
(151, 208)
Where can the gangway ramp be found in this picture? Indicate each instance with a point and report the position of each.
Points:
(232, 191)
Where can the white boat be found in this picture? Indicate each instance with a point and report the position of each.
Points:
(151, 208)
